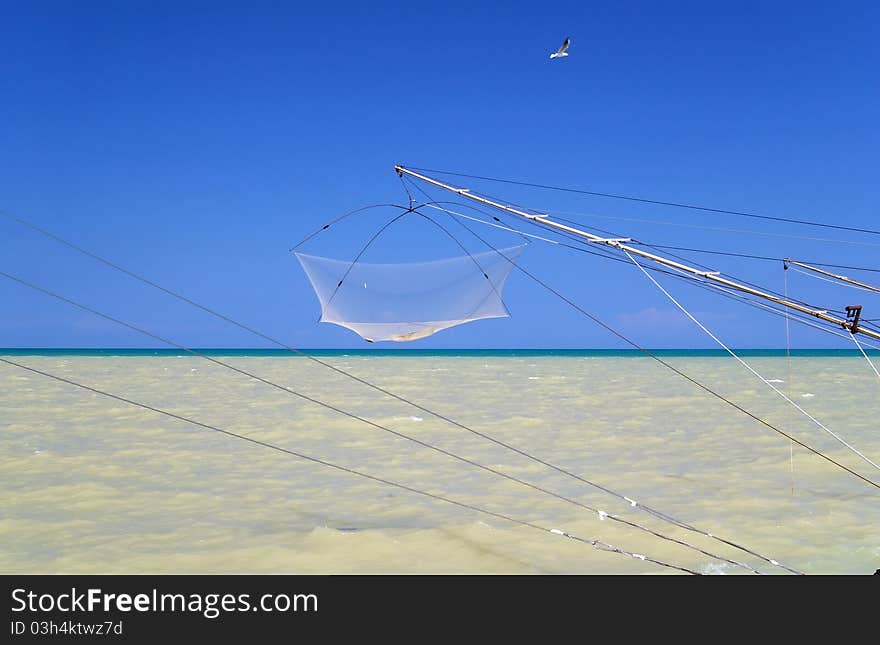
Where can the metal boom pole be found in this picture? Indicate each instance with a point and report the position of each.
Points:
(842, 278)
(620, 244)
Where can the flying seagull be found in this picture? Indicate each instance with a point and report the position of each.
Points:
(559, 53)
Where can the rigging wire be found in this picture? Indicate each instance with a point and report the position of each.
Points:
(839, 283)
(556, 215)
(645, 508)
(582, 246)
(658, 202)
(292, 248)
(389, 393)
(598, 544)
(841, 278)
(752, 370)
(406, 190)
(754, 257)
(523, 234)
(356, 211)
(869, 324)
(750, 284)
(434, 205)
(734, 277)
(797, 317)
(364, 250)
(287, 390)
(606, 253)
(719, 229)
(654, 246)
(867, 358)
(671, 367)
(788, 383)
(479, 267)
(610, 253)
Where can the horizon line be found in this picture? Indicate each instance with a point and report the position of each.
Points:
(423, 350)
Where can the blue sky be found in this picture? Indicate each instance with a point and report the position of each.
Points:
(195, 142)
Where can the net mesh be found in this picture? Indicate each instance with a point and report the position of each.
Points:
(407, 301)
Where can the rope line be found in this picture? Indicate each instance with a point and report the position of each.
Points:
(351, 415)
(656, 201)
(726, 292)
(838, 282)
(473, 259)
(788, 383)
(684, 375)
(602, 546)
(679, 275)
(292, 248)
(867, 358)
(375, 387)
(688, 278)
(749, 367)
(580, 240)
(755, 257)
(720, 229)
(364, 250)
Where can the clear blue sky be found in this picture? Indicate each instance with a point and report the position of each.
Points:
(195, 142)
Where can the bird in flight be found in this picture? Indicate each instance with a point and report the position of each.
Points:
(559, 53)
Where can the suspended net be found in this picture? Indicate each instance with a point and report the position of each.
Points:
(411, 300)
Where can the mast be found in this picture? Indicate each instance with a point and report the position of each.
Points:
(621, 245)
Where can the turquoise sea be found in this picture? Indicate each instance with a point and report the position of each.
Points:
(29, 351)
(91, 484)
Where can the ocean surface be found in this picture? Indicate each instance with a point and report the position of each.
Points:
(92, 484)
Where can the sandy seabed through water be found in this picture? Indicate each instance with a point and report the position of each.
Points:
(94, 485)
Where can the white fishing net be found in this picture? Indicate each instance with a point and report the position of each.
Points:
(411, 300)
